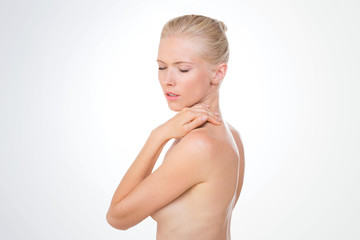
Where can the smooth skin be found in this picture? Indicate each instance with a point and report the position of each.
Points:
(193, 192)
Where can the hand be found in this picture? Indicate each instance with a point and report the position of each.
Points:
(188, 119)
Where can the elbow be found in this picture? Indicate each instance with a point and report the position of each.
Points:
(117, 221)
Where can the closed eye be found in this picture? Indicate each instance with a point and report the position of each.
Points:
(183, 71)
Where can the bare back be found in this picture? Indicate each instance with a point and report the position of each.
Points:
(204, 211)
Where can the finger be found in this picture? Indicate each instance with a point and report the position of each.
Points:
(196, 123)
(210, 117)
(201, 105)
(206, 111)
(215, 120)
(191, 114)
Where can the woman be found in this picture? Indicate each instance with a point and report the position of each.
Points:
(192, 194)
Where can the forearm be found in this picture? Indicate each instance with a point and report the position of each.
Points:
(142, 165)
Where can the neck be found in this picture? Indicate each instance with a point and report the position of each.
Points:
(212, 99)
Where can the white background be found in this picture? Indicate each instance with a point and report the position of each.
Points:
(79, 95)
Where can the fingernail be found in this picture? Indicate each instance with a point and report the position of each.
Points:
(216, 113)
(203, 118)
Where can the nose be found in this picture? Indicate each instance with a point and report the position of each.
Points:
(169, 78)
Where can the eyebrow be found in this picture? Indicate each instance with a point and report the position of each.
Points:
(175, 62)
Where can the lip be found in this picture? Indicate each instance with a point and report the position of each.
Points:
(171, 97)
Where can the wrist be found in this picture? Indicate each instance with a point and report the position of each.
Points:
(159, 134)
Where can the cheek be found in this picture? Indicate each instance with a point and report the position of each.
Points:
(197, 84)
(200, 81)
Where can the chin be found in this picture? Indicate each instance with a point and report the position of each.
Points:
(178, 107)
(175, 108)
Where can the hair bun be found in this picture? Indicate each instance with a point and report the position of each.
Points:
(223, 26)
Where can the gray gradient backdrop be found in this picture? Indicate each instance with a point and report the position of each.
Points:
(79, 95)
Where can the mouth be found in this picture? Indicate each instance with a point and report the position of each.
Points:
(171, 95)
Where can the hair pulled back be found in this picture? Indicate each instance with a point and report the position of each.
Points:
(210, 32)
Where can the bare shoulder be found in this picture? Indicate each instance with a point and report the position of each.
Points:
(199, 141)
(234, 131)
(197, 146)
(201, 137)
(236, 136)
(194, 152)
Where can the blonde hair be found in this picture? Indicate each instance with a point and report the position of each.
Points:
(209, 31)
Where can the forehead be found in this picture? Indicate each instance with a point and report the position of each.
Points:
(179, 49)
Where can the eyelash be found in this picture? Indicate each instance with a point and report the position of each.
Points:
(183, 71)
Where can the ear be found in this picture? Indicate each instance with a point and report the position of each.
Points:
(219, 73)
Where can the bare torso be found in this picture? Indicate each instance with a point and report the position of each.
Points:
(204, 211)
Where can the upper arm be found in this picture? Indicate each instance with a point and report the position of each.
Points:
(182, 169)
